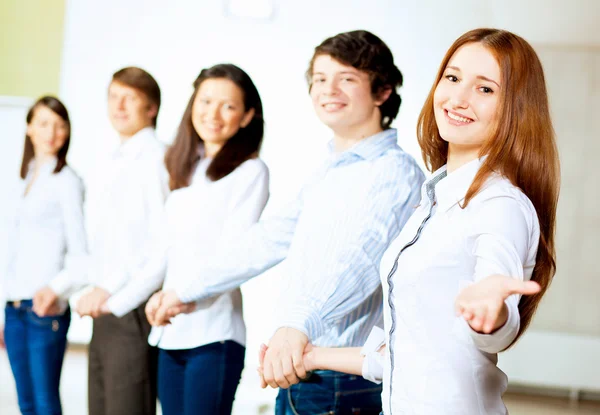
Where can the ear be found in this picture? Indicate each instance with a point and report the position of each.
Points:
(152, 110)
(383, 94)
(247, 118)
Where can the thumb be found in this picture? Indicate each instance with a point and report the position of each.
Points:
(523, 287)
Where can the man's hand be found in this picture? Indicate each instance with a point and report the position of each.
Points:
(283, 361)
(170, 306)
(91, 303)
(482, 304)
(152, 307)
(45, 302)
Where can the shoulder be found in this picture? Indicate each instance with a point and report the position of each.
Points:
(254, 167)
(501, 200)
(69, 178)
(397, 166)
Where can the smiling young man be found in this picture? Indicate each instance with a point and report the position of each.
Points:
(123, 208)
(332, 238)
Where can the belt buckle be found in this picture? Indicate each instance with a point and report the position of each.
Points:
(17, 304)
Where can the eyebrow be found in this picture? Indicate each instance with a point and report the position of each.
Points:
(478, 76)
(355, 73)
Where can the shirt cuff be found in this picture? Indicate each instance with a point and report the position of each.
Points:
(372, 369)
(118, 305)
(60, 284)
(304, 319)
(501, 338)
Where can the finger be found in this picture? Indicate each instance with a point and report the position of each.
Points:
(491, 319)
(261, 354)
(298, 363)
(523, 287)
(261, 377)
(268, 372)
(279, 379)
(160, 315)
(478, 318)
(289, 373)
(467, 314)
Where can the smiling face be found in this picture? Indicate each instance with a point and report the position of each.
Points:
(342, 97)
(47, 131)
(129, 110)
(218, 111)
(466, 98)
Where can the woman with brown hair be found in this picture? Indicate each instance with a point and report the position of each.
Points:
(219, 189)
(488, 211)
(47, 249)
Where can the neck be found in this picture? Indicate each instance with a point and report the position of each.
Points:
(43, 158)
(126, 137)
(211, 149)
(458, 156)
(346, 138)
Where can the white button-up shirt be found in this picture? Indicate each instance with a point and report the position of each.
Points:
(200, 220)
(46, 235)
(435, 363)
(124, 207)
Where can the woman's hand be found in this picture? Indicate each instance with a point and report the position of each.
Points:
(482, 303)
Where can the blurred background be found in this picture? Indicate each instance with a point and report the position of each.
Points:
(71, 48)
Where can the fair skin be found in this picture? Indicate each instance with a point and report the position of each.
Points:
(465, 108)
(48, 133)
(218, 113)
(129, 110)
(342, 98)
(343, 101)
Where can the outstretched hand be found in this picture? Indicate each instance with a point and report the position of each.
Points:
(482, 303)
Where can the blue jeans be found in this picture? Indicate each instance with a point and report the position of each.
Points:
(328, 392)
(36, 349)
(202, 380)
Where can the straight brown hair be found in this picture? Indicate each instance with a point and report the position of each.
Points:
(141, 81)
(522, 148)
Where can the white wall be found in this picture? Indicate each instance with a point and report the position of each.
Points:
(174, 41)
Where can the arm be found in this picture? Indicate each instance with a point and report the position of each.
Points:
(155, 191)
(349, 270)
(252, 252)
(505, 237)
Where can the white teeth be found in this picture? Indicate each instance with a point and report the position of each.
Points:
(458, 117)
(333, 106)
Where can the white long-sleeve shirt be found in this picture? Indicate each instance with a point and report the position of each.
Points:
(435, 363)
(332, 238)
(124, 208)
(200, 221)
(46, 235)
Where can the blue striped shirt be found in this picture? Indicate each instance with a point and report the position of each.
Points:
(332, 238)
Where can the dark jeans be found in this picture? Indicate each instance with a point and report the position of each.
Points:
(122, 366)
(200, 381)
(36, 349)
(327, 392)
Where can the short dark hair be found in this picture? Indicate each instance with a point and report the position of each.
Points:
(141, 81)
(184, 154)
(368, 53)
(59, 109)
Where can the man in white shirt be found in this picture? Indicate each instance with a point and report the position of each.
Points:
(123, 210)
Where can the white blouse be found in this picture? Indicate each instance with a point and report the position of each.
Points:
(435, 363)
(46, 235)
(201, 220)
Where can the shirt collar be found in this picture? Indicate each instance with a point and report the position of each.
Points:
(133, 146)
(452, 188)
(45, 169)
(369, 148)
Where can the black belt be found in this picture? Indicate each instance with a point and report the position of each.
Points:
(15, 304)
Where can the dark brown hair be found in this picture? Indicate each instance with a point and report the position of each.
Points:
(368, 53)
(59, 109)
(141, 81)
(188, 147)
(522, 148)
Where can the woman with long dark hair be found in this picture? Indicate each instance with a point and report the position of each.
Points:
(47, 248)
(219, 188)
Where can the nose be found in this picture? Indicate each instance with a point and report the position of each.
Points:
(213, 112)
(331, 87)
(460, 97)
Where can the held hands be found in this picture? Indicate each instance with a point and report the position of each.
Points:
(163, 306)
(482, 303)
(45, 302)
(93, 303)
(283, 363)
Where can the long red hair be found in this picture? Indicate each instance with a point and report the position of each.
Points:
(522, 148)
